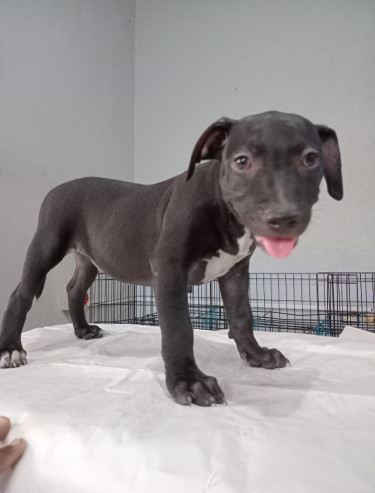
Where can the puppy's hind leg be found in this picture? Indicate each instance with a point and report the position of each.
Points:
(77, 287)
(46, 250)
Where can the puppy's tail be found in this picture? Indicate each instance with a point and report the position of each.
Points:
(39, 291)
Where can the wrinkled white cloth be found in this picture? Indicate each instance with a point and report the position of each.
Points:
(98, 419)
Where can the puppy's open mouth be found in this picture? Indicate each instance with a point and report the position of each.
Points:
(277, 247)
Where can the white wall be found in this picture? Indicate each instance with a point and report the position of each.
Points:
(199, 60)
(67, 110)
(67, 99)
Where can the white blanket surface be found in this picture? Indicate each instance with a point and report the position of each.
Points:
(98, 419)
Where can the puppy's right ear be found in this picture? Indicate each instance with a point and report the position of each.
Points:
(210, 143)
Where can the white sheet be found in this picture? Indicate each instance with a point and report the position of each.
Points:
(97, 416)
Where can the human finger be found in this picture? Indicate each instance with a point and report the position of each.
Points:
(11, 454)
(4, 427)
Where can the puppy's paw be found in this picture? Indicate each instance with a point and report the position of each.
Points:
(265, 358)
(89, 332)
(13, 359)
(201, 390)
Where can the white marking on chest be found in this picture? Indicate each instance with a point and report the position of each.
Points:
(222, 262)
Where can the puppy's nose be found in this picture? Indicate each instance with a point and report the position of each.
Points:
(283, 222)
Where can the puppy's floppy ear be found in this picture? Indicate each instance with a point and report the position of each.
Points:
(331, 161)
(210, 143)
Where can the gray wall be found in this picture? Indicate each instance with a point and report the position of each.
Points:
(199, 60)
(67, 110)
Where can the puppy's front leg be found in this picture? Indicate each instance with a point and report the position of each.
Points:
(185, 381)
(234, 288)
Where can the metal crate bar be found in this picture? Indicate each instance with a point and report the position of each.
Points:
(314, 303)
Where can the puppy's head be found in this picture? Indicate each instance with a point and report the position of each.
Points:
(271, 168)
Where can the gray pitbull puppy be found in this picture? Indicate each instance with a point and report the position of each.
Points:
(257, 188)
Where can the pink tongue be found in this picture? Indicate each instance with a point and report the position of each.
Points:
(277, 247)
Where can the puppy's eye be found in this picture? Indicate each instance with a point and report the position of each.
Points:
(310, 160)
(242, 162)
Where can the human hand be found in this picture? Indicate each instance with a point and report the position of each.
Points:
(10, 454)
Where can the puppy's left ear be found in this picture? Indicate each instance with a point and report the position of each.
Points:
(331, 161)
(210, 143)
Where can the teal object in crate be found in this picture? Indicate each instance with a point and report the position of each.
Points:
(210, 318)
(323, 329)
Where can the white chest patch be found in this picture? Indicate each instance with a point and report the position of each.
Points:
(222, 262)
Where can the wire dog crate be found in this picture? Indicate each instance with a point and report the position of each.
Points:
(321, 303)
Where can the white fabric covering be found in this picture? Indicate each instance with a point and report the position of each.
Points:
(97, 416)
